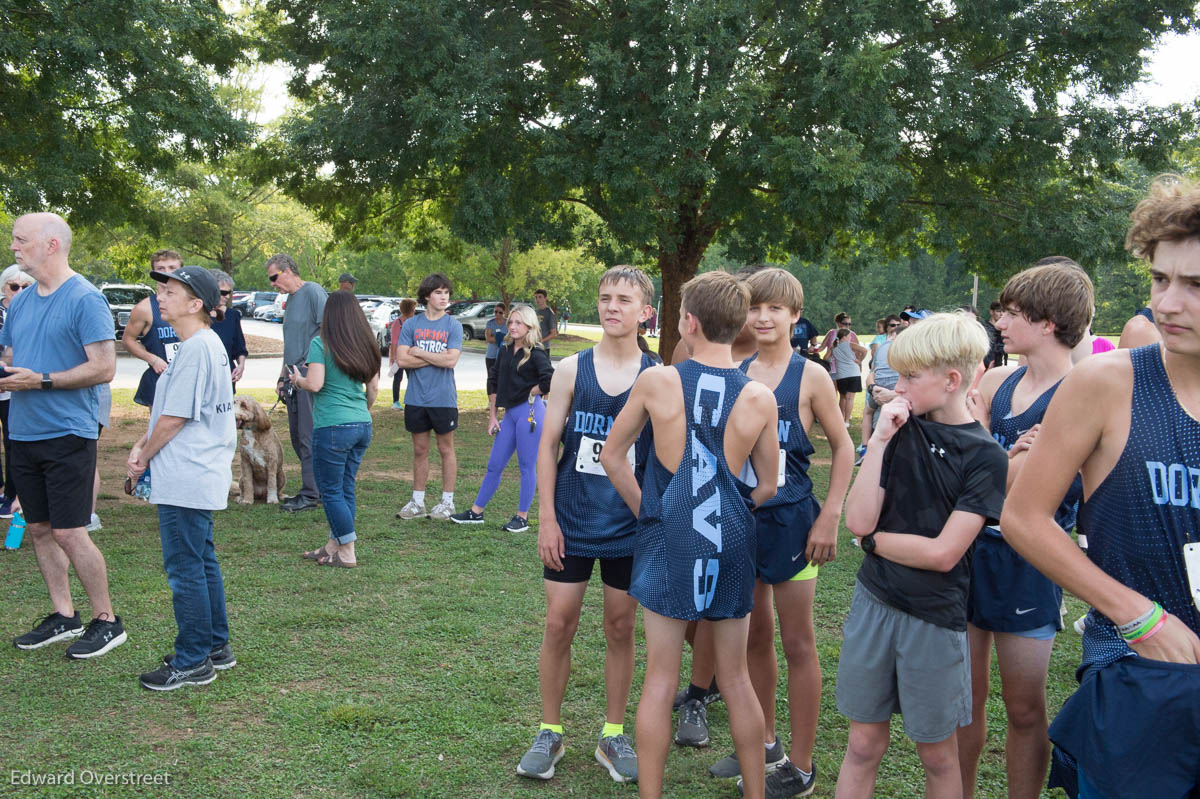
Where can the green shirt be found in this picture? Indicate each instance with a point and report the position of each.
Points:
(342, 400)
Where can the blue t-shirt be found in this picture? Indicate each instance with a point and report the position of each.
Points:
(431, 386)
(48, 334)
(499, 330)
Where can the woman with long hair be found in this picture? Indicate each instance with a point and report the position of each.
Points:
(517, 383)
(343, 374)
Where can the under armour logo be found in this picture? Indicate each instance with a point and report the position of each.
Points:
(936, 450)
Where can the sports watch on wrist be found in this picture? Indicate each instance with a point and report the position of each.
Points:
(868, 543)
(47, 383)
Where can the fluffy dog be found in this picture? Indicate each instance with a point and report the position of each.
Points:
(262, 475)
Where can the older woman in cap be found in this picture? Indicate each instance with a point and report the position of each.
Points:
(190, 445)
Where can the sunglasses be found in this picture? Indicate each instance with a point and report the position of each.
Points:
(15, 286)
(226, 293)
(894, 324)
(273, 277)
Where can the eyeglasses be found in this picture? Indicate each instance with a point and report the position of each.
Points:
(273, 277)
(15, 286)
(845, 322)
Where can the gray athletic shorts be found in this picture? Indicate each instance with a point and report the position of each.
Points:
(893, 662)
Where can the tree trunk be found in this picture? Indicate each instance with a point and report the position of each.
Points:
(676, 268)
(226, 258)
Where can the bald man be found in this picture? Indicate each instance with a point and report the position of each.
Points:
(58, 338)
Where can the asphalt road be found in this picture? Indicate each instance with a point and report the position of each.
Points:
(471, 373)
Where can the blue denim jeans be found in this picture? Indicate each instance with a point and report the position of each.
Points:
(337, 452)
(197, 589)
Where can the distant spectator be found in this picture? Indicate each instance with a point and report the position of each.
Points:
(564, 318)
(652, 324)
(841, 321)
(644, 345)
(347, 282)
(229, 329)
(517, 384)
(996, 355)
(12, 280)
(399, 317)
(494, 332)
(343, 375)
(301, 324)
(546, 319)
(189, 449)
(847, 358)
(147, 336)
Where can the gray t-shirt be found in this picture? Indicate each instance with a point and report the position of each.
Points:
(302, 321)
(431, 386)
(845, 360)
(499, 330)
(194, 469)
(885, 375)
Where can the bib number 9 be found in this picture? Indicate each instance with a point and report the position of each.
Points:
(587, 460)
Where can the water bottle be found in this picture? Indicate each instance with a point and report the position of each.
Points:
(16, 532)
(142, 489)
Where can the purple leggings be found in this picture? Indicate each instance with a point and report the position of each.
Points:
(515, 435)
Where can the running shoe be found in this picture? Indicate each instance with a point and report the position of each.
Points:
(167, 678)
(55, 627)
(413, 510)
(442, 511)
(541, 758)
(99, 637)
(693, 724)
(516, 525)
(787, 781)
(616, 754)
(727, 767)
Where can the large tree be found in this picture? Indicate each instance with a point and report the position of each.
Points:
(805, 128)
(97, 95)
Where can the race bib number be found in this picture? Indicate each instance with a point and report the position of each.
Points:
(172, 348)
(748, 476)
(1191, 561)
(587, 460)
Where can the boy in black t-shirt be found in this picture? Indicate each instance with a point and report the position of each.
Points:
(931, 478)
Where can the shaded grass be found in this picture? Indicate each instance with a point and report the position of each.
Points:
(414, 675)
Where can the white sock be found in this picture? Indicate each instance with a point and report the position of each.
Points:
(447, 497)
(419, 498)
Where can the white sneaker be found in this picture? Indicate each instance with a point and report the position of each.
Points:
(94, 524)
(442, 511)
(413, 510)
(1080, 624)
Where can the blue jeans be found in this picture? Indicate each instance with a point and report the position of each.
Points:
(197, 589)
(337, 452)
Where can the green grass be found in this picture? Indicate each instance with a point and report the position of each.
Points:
(414, 675)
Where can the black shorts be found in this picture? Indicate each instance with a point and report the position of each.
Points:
(421, 419)
(849, 385)
(614, 572)
(54, 478)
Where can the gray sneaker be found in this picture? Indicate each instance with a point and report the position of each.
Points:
(541, 758)
(693, 724)
(442, 511)
(413, 510)
(727, 767)
(787, 781)
(616, 754)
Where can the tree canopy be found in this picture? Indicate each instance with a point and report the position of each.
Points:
(98, 96)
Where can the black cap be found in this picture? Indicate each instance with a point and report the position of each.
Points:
(347, 278)
(199, 280)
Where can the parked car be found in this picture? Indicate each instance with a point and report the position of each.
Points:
(252, 300)
(379, 317)
(271, 312)
(474, 318)
(121, 299)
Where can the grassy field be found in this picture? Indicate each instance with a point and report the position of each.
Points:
(414, 675)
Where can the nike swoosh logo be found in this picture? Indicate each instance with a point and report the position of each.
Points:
(798, 555)
(1026, 610)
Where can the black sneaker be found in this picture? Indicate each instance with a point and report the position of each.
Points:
(55, 627)
(467, 517)
(223, 658)
(167, 678)
(787, 781)
(99, 637)
(712, 695)
(516, 525)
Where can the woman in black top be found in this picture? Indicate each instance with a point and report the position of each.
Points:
(517, 383)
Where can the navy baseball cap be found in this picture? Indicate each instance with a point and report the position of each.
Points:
(199, 280)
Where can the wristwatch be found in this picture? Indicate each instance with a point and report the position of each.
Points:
(868, 543)
(47, 383)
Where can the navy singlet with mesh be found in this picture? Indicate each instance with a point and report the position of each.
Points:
(1147, 508)
(693, 555)
(794, 445)
(595, 521)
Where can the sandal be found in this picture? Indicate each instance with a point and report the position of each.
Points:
(335, 560)
(316, 554)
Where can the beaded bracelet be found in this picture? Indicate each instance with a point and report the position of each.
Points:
(1144, 623)
(1157, 626)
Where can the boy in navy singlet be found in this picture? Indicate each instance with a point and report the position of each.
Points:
(795, 535)
(1045, 310)
(583, 519)
(1127, 421)
(694, 550)
(931, 478)
(148, 336)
